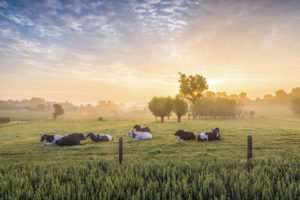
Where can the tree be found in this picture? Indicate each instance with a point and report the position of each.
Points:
(295, 106)
(179, 107)
(192, 87)
(58, 110)
(296, 92)
(160, 107)
(252, 113)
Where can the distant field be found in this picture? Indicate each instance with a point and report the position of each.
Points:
(271, 138)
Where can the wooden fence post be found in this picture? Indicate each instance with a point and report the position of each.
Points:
(120, 150)
(249, 147)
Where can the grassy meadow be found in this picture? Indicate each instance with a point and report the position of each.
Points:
(161, 168)
(271, 138)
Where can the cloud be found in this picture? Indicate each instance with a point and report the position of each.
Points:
(143, 44)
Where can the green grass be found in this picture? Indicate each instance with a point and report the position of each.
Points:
(271, 138)
(161, 168)
(266, 179)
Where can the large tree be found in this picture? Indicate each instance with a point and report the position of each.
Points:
(179, 107)
(192, 87)
(58, 110)
(296, 106)
(160, 107)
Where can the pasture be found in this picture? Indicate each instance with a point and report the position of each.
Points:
(161, 168)
(271, 138)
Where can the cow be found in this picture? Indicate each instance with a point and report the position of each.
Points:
(140, 128)
(136, 135)
(183, 135)
(208, 136)
(50, 139)
(69, 140)
(99, 137)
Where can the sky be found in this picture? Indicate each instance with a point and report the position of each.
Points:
(132, 50)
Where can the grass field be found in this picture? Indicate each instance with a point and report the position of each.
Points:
(161, 168)
(271, 138)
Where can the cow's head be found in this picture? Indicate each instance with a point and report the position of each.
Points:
(132, 134)
(90, 134)
(81, 136)
(179, 132)
(136, 126)
(43, 138)
(47, 138)
(216, 130)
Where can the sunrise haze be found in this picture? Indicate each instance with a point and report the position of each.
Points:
(130, 51)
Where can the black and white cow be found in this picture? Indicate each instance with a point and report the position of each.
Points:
(99, 137)
(208, 136)
(69, 140)
(140, 128)
(50, 139)
(136, 135)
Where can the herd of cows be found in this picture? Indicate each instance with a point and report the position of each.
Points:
(140, 133)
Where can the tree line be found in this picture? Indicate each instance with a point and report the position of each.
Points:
(194, 98)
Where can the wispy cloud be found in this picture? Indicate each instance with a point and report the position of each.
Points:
(143, 44)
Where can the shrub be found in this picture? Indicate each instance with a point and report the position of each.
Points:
(4, 120)
(100, 119)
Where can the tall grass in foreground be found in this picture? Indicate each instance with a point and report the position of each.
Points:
(267, 179)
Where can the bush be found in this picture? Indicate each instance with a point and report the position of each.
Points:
(100, 119)
(4, 120)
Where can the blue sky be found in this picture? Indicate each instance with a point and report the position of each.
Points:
(132, 50)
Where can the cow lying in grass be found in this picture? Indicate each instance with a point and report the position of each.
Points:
(70, 140)
(50, 139)
(99, 137)
(136, 135)
(208, 136)
(183, 135)
(140, 128)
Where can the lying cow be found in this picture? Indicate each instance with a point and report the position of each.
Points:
(99, 137)
(140, 128)
(69, 140)
(208, 136)
(50, 139)
(185, 135)
(136, 135)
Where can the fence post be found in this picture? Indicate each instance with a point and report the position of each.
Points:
(120, 150)
(249, 147)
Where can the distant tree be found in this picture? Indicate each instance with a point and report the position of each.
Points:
(243, 95)
(281, 96)
(192, 87)
(252, 113)
(179, 107)
(295, 106)
(58, 110)
(239, 108)
(296, 92)
(40, 107)
(209, 94)
(268, 97)
(160, 107)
